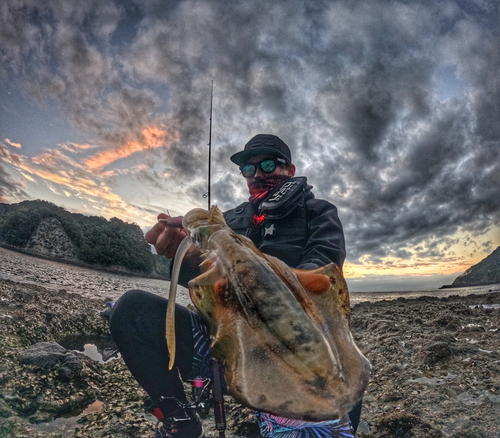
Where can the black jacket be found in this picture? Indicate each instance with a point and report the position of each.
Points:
(309, 237)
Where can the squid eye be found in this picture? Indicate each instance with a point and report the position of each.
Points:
(195, 237)
(200, 236)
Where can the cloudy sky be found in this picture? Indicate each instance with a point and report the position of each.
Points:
(391, 109)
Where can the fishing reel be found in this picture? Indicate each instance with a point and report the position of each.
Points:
(200, 395)
(200, 398)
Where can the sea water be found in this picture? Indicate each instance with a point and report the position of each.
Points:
(359, 297)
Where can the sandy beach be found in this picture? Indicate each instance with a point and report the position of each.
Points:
(436, 361)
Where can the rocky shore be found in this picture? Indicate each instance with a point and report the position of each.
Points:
(436, 366)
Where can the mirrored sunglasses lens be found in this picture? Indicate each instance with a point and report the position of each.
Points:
(268, 166)
(248, 170)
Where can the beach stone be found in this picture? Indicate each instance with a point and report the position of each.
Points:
(449, 322)
(473, 328)
(50, 355)
(43, 354)
(444, 337)
(435, 352)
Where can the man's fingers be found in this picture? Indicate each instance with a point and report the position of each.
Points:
(163, 240)
(152, 235)
(168, 241)
(176, 241)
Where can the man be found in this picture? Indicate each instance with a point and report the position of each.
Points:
(307, 234)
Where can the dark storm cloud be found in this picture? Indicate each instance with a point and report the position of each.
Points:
(352, 87)
(61, 51)
(445, 178)
(230, 191)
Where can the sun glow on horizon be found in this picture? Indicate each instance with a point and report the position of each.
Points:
(352, 270)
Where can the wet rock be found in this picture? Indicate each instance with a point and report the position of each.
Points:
(444, 337)
(50, 355)
(473, 328)
(477, 424)
(43, 354)
(458, 396)
(70, 366)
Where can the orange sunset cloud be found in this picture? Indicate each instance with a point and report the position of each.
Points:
(16, 145)
(90, 191)
(153, 137)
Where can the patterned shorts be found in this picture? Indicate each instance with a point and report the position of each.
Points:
(202, 359)
(279, 427)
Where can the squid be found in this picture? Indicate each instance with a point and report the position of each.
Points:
(283, 335)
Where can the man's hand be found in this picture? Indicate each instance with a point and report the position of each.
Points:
(166, 239)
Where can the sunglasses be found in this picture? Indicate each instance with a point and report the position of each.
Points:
(267, 166)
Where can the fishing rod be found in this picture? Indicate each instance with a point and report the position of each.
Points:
(217, 389)
(210, 146)
(177, 221)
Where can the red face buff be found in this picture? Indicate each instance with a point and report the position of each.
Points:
(260, 187)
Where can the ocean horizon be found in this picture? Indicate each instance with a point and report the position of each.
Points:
(359, 297)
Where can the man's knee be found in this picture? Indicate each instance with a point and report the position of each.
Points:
(130, 299)
(124, 307)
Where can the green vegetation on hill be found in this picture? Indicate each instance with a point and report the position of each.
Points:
(97, 241)
(487, 271)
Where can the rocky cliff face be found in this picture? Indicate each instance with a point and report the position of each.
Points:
(51, 240)
(487, 271)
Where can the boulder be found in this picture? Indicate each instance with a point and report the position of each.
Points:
(51, 240)
(51, 356)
